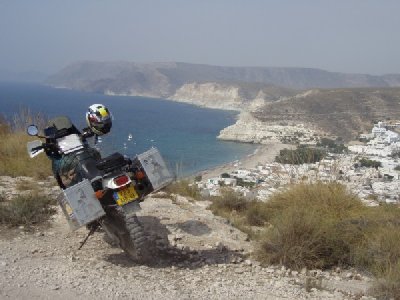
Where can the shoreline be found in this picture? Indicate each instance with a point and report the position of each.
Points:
(265, 153)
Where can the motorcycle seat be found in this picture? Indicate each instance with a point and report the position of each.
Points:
(111, 162)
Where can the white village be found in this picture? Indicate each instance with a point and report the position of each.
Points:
(372, 184)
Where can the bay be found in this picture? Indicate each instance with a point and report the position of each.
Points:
(184, 134)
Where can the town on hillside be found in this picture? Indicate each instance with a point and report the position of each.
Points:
(370, 169)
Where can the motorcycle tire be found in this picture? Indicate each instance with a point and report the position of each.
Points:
(128, 233)
(137, 244)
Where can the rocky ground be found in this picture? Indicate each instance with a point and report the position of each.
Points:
(199, 256)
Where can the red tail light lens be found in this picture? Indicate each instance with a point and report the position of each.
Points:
(121, 180)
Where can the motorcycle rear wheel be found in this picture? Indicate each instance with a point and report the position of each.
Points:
(128, 233)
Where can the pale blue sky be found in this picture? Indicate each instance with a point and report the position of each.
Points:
(357, 36)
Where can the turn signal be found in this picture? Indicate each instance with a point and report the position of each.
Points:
(99, 194)
(139, 175)
(121, 180)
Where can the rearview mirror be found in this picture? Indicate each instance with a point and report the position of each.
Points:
(32, 130)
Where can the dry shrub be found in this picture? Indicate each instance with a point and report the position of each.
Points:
(313, 226)
(240, 212)
(184, 188)
(387, 286)
(4, 126)
(25, 185)
(29, 209)
(229, 202)
(256, 214)
(21, 120)
(323, 225)
(380, 254)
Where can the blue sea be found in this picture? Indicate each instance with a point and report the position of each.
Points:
(184, 134)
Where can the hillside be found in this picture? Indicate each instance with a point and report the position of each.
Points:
(197, 256)
(339, 112)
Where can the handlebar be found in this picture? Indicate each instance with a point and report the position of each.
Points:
(38, 148)
(46, 147)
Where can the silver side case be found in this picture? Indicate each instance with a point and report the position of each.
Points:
(155, 168)
(80, 205)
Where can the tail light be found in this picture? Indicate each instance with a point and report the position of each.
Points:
(121, 180)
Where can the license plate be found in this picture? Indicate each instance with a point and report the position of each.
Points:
(125, 196)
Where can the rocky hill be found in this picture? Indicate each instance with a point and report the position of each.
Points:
(235, 96)
(338, 112)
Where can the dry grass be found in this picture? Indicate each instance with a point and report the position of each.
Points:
(184, 188)
(21, 120)
(323, 225)
(25, 185)
(229, 203)
(387, 286)
(29, 209)
(314, 226)
(14, 159)
(241, 212)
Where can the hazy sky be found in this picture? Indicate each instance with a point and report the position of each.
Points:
(358, 36)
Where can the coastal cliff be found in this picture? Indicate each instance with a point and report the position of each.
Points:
(249, 129)
(211, 95)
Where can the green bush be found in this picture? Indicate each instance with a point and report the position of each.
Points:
(301, 155)
(28, 209)
(332, 146)
(241, 182)
(369, 163)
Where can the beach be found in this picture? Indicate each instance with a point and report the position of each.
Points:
(262, 155)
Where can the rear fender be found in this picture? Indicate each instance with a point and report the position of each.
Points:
(131, 208)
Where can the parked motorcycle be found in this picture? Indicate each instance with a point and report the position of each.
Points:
(100, 192)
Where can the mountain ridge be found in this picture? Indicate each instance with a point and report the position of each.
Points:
(164, 79)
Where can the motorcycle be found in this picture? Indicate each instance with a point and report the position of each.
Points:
(100, 192)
